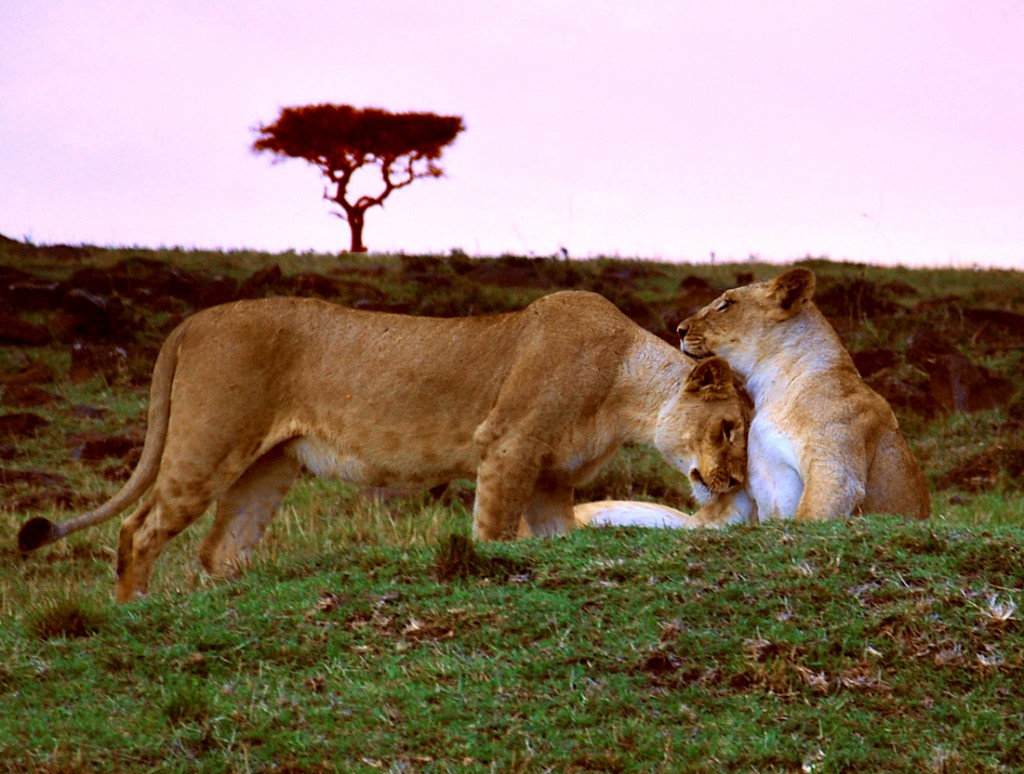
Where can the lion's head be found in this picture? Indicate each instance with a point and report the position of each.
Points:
(737, 325)
(704, 433)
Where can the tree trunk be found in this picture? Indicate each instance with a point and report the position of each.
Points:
(355, 224)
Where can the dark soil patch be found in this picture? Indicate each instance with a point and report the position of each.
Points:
(89, 360)
(38, 478)
(28, 396)
(24, 490)
(92, 446)
(903, 395)
(954, 382)
(33, 373)
(855, 300)
(993, 469)
(14, 330)
(21, 425)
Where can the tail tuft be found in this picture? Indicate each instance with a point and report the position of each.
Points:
(35, 533)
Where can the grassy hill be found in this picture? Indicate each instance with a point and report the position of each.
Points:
(370, 635)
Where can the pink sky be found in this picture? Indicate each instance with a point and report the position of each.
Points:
(871, 131)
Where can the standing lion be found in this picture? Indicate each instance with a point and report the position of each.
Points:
(246, 395)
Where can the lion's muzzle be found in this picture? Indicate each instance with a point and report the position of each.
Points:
(692, 345)
(719, 480)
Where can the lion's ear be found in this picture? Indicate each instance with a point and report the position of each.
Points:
(790, 290)
(711, 379)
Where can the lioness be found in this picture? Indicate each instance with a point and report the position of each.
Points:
(246, 394)
(821, 442)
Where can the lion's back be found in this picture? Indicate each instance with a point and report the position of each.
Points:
(302, 364)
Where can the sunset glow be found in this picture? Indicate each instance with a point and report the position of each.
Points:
(872, 131)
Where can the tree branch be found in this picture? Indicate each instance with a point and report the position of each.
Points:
(409, 174)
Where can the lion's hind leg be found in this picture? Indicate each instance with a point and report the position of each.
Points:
(182, 493)
(245, 510)
(166, 511)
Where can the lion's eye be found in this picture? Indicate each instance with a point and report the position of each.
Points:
(727, 430)
(724, 304)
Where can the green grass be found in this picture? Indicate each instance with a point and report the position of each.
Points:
(872, 646)
(371, 634)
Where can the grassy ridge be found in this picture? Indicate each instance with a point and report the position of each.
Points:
(876, 646)
(367, 637)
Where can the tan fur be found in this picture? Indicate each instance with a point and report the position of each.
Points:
(246, 395)
(821, 443)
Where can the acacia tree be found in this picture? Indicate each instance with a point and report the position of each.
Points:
(340, 139)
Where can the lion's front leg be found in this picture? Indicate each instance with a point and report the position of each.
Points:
(549, 510)
(505, 481)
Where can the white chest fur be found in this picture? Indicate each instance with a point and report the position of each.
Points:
(773, 470)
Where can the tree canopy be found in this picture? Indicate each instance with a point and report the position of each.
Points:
(340, 139)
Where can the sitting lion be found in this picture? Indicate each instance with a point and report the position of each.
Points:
(532, 403)
(821, 442)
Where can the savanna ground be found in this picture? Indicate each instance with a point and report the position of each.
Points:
(370, 634)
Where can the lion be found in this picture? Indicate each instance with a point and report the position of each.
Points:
(246, 395)
(822, 444)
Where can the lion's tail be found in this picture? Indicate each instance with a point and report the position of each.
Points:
(38, 532)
